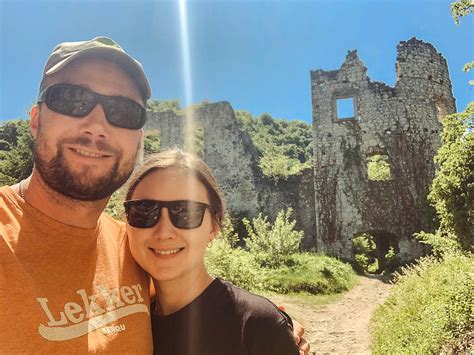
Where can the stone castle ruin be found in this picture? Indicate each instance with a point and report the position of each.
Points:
(338, 200)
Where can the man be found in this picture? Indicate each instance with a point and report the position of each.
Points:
(68, 281)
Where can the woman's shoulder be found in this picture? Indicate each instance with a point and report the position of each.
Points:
(265, 328)
(255, 307)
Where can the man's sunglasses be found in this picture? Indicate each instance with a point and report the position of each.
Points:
(183, 214)
(76, 101)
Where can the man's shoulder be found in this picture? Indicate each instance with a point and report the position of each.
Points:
(105, 218)
(6, 193)
(266, 330)
(111, 225)
(10, 206)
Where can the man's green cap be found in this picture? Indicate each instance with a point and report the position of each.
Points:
(65, 53)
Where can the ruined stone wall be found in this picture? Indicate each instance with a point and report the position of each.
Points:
(337, 200)
(231, 155)
(226, 150)
(401, 123)
(296, 192)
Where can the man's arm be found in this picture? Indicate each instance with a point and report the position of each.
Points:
(298, 332)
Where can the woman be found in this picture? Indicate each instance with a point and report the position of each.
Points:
(174, 210)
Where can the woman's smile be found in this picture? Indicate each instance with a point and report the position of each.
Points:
(166, 252)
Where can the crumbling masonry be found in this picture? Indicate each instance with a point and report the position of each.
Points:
(337, 200)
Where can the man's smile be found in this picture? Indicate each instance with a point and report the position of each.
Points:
(89, 153)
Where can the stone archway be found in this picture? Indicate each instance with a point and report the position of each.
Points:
(375, 251)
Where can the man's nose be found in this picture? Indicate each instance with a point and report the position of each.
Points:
(95, 123)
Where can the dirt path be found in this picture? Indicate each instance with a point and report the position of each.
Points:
(340, 327)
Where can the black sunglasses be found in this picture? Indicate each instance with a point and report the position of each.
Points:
(76, 101)
(183, 214)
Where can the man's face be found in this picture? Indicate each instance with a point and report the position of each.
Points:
(86, 158)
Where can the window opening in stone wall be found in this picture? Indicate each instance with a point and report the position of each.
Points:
(441, 109)
(345, 108)
(378, 168)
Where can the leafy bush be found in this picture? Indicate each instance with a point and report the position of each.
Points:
(16, 152)
(223, 259)
(378, 168)
(270, 244)
(439, 244)
(430, 308)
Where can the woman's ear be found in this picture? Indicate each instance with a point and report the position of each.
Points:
(214, 231)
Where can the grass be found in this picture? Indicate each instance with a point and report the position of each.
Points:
(303, 273)
(304, 297)
(430, 309)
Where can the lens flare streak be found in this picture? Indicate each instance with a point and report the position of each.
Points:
(187, 77)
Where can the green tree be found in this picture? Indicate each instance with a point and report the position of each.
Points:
(461, 8)
(16, 151)
(452, 191)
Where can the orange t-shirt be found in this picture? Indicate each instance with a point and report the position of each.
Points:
(68, 290)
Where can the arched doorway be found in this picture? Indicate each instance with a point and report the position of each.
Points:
(375, 251)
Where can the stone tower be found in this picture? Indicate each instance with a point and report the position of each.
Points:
(398, 126)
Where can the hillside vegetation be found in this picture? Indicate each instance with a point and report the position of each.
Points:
(285, 147)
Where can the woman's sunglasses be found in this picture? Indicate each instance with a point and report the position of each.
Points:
(78, 102)
(183, 214)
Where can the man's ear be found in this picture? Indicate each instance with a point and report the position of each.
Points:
(34, 120)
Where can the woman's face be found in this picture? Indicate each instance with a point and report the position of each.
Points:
(165, 251)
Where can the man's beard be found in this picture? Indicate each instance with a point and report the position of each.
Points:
(81, 185)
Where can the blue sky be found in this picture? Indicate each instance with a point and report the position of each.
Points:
(255, 54)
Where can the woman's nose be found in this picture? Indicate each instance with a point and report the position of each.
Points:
(164, 229)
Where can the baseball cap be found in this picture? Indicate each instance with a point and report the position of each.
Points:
(66, 52)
